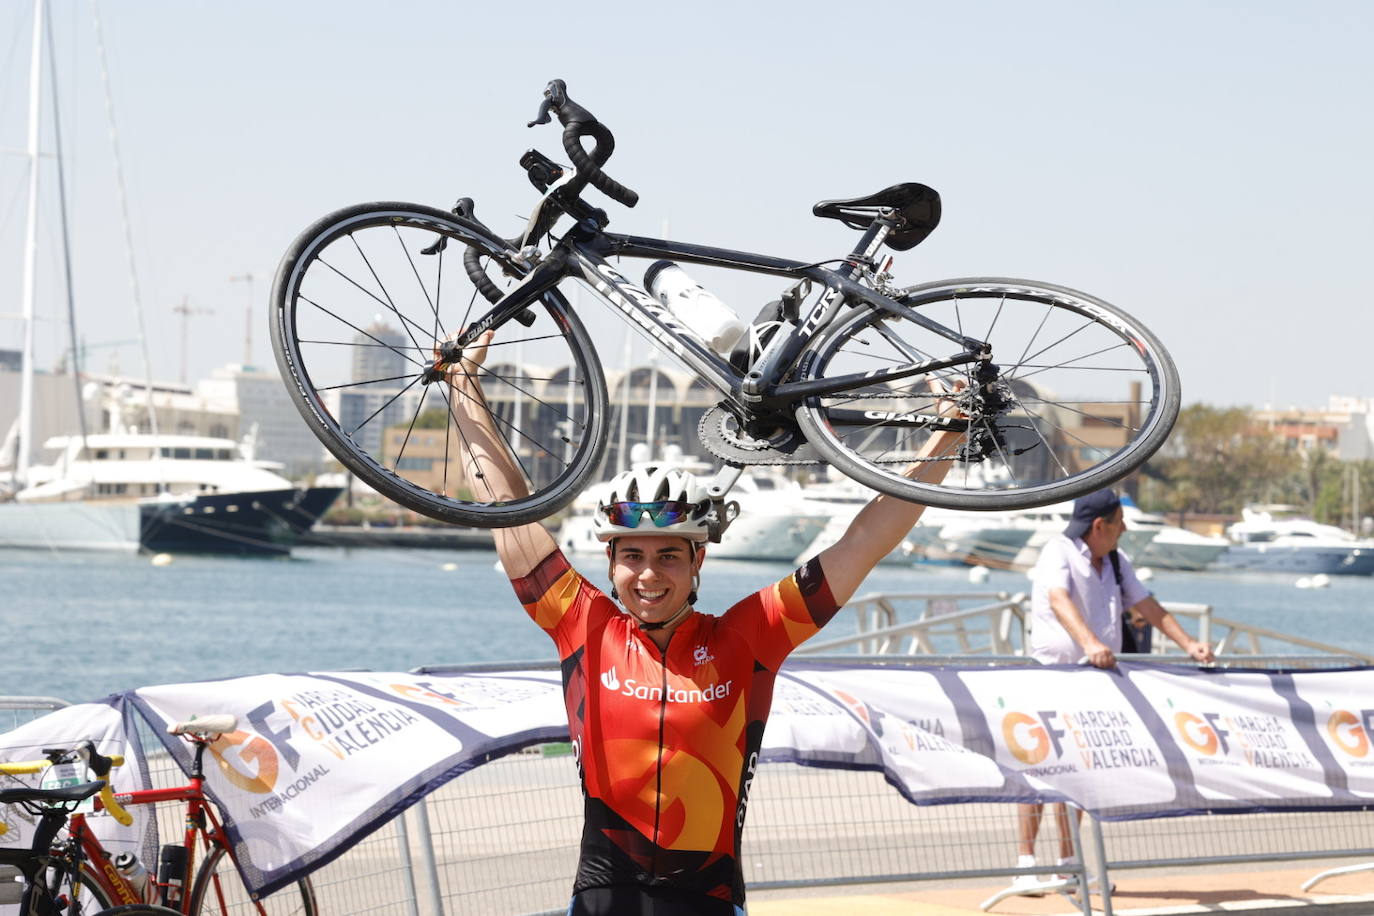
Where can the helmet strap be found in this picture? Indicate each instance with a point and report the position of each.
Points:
(671, 621)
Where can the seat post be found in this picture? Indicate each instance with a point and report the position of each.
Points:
(869, 243)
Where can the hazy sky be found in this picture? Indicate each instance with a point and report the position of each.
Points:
(1207, 166)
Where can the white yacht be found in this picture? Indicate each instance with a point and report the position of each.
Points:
(165, 493)
(993, 539)
(775, 521)
(841, 499)
(1151, 541)
(1272, 538)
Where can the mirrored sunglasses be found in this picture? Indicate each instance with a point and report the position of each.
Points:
(662, 513)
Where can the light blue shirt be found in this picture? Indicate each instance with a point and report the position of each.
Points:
(1066, 563)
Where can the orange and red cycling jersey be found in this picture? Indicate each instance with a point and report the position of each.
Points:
(668, 742)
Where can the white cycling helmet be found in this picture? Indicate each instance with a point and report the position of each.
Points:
(652, 500)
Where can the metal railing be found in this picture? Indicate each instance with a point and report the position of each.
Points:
(503, 837)
(998, 624)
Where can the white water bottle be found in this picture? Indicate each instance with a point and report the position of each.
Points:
(134, 872)
(697, 308)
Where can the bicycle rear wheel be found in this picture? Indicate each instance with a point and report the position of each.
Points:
(219, 891)
(1088, 394)
(360, 301)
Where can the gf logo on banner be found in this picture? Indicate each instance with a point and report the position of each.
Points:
(1202, 733)
(1349, 731)
(1031, 739)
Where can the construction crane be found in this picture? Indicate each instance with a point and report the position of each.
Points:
(185, 310)
(248, 319)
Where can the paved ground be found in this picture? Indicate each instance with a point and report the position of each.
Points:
(1270, 892)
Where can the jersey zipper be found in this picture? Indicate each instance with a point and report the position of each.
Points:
(662, 728)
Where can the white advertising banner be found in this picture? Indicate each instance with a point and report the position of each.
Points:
(320, 760)
(102, 724)
(1342, 703)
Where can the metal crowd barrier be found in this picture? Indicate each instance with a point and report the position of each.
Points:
(503, 837)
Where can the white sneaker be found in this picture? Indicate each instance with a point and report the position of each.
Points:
(1029, 885)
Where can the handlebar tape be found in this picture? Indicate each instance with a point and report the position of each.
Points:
(116, 810)
(590, 165)
(473, 265)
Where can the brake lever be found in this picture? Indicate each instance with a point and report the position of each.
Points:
(555, 94)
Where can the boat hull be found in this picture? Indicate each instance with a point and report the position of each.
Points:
(262, 523)
(1333, 561)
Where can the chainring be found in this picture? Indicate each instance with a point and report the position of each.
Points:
(719, 430)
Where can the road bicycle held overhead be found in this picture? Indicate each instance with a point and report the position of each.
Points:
(1057, 392)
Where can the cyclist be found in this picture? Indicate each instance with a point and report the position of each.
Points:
(666, 705)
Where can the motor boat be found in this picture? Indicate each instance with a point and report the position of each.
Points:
(130, 491)
(1272, 538)
(841, 499)
(1151, 541)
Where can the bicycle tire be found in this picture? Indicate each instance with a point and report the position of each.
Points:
(1124, 387)
(219, 891)
(361, 263)
(99, 899)
(137, 909)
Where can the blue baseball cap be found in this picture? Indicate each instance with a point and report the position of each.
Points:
(1099, 504)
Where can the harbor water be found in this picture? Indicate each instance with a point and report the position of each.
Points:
(80, 625)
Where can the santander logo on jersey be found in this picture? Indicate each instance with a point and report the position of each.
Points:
(632, 688)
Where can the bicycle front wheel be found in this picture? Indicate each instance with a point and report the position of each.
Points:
(1082, 395)
(92, 896)
(219, 891)
(360, 302)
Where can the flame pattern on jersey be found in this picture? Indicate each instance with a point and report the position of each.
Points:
(667, 742)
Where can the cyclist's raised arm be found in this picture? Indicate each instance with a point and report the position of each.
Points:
(882, 524)
(487, 462)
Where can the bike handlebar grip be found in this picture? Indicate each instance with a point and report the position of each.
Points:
(473, 265)
(117, 811)
(590, 164)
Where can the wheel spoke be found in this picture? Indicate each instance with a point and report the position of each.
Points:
(392, 400)
(390, 303)
(434, 309)
(381, 343)
(373, 381)
(400, 453)
(406, 321)
(1043, 350)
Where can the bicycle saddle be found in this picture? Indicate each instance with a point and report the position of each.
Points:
(917, 205)
(75, 793)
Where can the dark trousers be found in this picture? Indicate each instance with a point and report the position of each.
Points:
(634, 900)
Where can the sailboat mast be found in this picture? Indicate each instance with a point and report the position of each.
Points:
(21, 460)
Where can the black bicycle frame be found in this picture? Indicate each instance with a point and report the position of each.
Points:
(582, 253)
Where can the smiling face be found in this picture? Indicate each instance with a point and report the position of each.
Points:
(653, 575)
